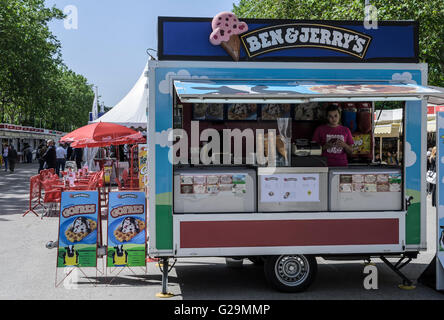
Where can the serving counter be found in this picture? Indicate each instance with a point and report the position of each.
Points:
(211, 190)
(240, 189)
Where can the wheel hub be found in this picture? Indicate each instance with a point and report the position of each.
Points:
(292, 270)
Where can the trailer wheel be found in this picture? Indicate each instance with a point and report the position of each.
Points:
(290, 273)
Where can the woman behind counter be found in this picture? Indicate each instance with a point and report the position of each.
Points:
(335, 139)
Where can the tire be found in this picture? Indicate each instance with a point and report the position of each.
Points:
(290, 273)
(257, 260)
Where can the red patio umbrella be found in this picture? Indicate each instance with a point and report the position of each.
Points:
(91, 143)
(101, 134)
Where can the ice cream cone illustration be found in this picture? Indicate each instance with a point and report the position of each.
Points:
(226, 28)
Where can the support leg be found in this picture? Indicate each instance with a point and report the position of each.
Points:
(164, 293)
(406, 283)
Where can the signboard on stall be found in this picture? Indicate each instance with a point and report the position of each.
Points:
(290, 188)
(126, 229)
(206, 39)
(440, 202)
(143, 166)
(77, 245)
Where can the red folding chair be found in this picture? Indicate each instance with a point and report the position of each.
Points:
(52, 193)
(35, 195)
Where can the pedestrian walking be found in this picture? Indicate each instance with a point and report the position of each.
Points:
(429, 185)
(430, 173)
(69, 153)
(12, 158)
(61, 158)
(28, 154)
(5, 155)
(378, 159)
(40, 153)
(391, 159)
(78, 157)
(50, 156)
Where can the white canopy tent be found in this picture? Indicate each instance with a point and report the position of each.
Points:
(132, 109)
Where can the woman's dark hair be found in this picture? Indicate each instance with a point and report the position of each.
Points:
(333, 107)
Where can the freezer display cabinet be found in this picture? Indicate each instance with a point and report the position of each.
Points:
(365, 190)
(214, 190)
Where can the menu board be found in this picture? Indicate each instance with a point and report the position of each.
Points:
(77, 245)
(242, 111)
(275, 111)
(208, 111)
(384, 182)
(213, 184)
(126, 229)
(290, 188)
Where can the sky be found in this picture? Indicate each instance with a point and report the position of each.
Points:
(108, 45)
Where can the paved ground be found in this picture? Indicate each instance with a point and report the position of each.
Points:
(29, 272)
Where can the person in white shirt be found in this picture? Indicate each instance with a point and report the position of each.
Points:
(61, 158)
(5, 156)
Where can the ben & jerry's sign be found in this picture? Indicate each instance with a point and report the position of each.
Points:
(280, 37)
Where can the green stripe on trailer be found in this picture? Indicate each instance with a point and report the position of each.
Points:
(164, 227)
(413, 218)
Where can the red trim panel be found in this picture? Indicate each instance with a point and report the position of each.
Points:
(269, 233)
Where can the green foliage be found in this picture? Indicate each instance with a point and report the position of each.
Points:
(429, 13)
(36, 88)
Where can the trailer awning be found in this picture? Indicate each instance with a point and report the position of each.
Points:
(437, 98)
(387, 130)
(431, 126)
(269, 91)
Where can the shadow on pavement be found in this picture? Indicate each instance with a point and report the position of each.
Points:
(126, 280)
(248, 282)
(14, 188)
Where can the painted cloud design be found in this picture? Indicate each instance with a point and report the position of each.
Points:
(410, 155)
(405, 77)
(164, 85)
(162, 138)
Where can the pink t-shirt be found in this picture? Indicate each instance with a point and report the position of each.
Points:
(336, 156)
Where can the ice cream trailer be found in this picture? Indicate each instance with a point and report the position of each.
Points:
(233, 170)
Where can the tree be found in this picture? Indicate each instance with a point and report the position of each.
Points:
(429, 13)
(35, 86)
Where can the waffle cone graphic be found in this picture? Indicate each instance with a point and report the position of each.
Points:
(232, 47)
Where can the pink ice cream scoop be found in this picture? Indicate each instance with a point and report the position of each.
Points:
(224, 25)
(226, 28)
